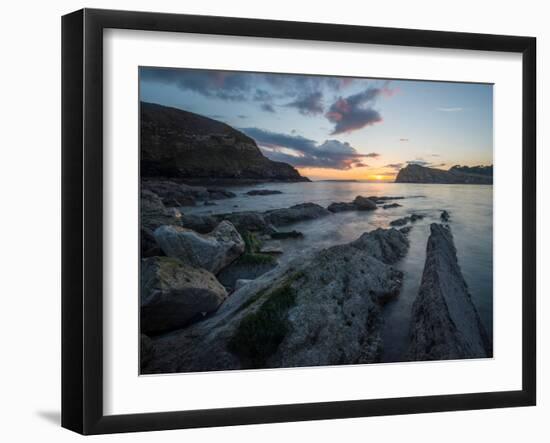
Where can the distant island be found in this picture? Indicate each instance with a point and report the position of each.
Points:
(475, 175)
(188, 146)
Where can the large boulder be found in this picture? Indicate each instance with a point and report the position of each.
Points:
(323, 309)
(153, 212)
(198, 222)
(175, 194)
(212, 251)
(296, 213)
(174, 294)
(445, 323)
(341, 207)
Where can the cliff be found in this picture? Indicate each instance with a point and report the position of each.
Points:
(181, 144)
(456, 175)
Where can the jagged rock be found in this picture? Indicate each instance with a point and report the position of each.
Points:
(445, 216)
(457, 174)
(220, 194)
(181, 144)
(296, 213)
(175, 194)
(391, 205)
(153, 213)
(341, 207)
(273, 247)
(148, 244)
(173, 294)
(146, 350)
(248, 266)
(387, 245)
(405, 230)
(324, 309)
(263, 192)
(415, 217)
(212, 251)
(281, 235)
(445, 323)
(364, 204)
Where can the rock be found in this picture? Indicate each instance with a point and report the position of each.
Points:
(341, 207)
(212, 251)
(153, 213)
(184, 145)
(199, 223)
(271, 248)
(284, 235)
(445, 216)
(387, 245)
(445, 323)
(146, 350)
(457, 174)
(148, 244)
(248, 222)
(385, 198)
(248, 266)
(364, 204)
(323, 309)
(220, 194)
(391, 205)
(416, 217)
(209, 203)
(263, 192)
(175, 194)
(405, 230)
(174, 294)
(400, 221)
(296, 213)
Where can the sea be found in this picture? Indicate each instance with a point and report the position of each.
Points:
(471, 221)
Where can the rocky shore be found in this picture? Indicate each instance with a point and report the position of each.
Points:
(215, 295)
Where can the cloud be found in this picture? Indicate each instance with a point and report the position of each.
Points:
(394, 166)
(309, 104)
(372, 155)
(403, 139)
(419, 162)
(303, 152)
(455, 109)
(355, 111)
(267, 107)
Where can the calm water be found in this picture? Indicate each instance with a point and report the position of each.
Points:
(471, 209)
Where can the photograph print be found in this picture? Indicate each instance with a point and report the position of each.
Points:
(297, 220)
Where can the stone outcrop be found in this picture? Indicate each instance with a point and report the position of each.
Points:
(359, 204)
(181, 144)
(296, 213)
(264, 192)
(212, 251)
(173, 294)
(445, 323)
(455, 175)
(324, 309)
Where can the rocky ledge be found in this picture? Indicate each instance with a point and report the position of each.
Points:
(324, 310)
(445, 323)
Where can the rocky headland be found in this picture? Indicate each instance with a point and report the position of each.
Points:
(478, 175)
(187, 146)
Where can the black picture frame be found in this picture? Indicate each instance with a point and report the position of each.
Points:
(82, 217)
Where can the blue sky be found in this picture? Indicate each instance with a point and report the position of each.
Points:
(338, 127)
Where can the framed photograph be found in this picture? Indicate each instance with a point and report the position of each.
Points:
(269, 221)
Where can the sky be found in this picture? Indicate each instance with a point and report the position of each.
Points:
(331, 127)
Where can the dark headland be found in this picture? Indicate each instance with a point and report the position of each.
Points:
(475, 175)
(182, 145)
